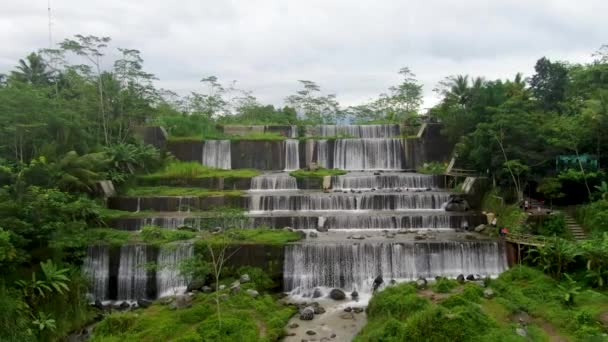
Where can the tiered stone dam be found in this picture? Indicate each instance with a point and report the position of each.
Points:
(378, 200)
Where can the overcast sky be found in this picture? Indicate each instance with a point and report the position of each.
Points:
(352, 48)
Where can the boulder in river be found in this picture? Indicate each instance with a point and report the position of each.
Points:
(307, 314)
(337, 294)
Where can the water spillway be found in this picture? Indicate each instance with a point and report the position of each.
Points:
(360, 154)
(292, 154)
(169, 281)
(355, 266)
(394, 180)
(273, 181)
(136, 271)
(216, 154)
(317, 201)
(354, 131)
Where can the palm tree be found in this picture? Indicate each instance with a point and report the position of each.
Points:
(458, 89)
(32, 70)
(80, 173)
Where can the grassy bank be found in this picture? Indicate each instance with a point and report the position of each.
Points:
(318, 173)
(158, 236)
(267, 136)
(524, 298)
(192, 170)
(151, 191)
(242, 318)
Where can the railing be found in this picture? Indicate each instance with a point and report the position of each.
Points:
(525, 239)
(462, 172)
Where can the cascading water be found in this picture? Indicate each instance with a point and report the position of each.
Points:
(169, 280)
(344, 220)
(132, 273)
(361, 154)
(369, 180)
(354, 131)
(97, 268)
(339, 201)
(355, 266)
(216, 153)
(273, 181)
(292, 154)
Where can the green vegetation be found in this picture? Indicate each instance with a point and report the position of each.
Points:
(185, 171)
(260, 236)
(433, 168)
(401, 313)
(508, 215)
(150, 191)
(243, 318)
(158, 236)
(444, 285)
(318, 173)
(269, 136)
(594, 216)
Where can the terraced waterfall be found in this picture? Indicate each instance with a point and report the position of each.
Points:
(366, 223)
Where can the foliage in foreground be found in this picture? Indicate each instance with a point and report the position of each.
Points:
(400, 313)
(242, 317)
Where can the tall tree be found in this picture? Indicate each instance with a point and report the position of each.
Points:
(549, 83)
(33, 69)
(315, 107)
(91, 47)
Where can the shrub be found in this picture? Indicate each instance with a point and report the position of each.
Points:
(230, 329)
(259, 278)
(462, 323)
(444, 285)
(115, 324)
(472, 292)
(554, 225)
(156, 235)
(397, 301)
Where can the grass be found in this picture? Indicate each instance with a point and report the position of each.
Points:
(243, 318)
(192, 170)
(260, 236)
(266, 136)
(432, 168)
(401, 312)
(151, 191)
(158, 236)
(318, 173)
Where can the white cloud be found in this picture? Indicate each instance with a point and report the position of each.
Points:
(351, 48)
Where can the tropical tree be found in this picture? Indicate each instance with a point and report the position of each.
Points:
(549, 83)
(33, 69)
(313, 106)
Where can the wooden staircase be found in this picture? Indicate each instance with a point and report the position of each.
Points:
(577, 231)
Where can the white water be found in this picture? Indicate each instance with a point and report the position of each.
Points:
(354, 131)
(368, 221)
(360, 154)
(169, 280)
(350, 201)
(355, 266)
(216, 153)
(273, 181)
(292, 154)
(132, 273)
(97, 268)
(367, 181)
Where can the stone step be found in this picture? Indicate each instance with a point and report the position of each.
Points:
(575, 229)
